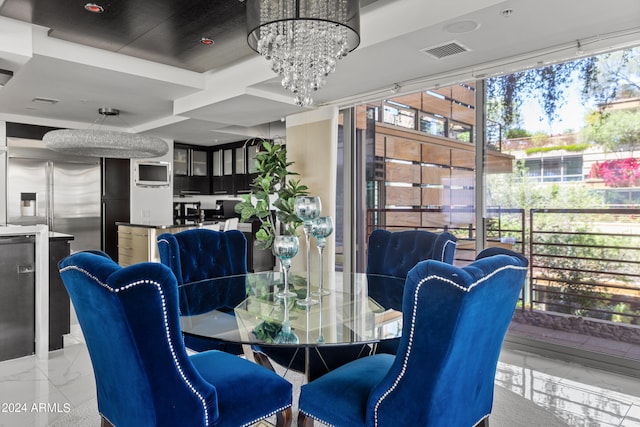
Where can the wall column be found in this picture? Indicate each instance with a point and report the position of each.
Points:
(312, 143)
(3, 173)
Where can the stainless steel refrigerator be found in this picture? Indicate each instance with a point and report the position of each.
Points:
(44, 187)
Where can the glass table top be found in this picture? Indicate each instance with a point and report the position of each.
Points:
(243, 309)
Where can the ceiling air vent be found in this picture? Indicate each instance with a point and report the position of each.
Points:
(444, 50)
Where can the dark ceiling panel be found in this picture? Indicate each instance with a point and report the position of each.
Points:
(164, 31)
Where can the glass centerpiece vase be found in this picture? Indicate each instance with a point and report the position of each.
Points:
(285, 247)
(321, 228)
(307, 208)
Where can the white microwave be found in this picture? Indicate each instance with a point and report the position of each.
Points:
(152, 174)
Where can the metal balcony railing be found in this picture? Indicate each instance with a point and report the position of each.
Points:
(583, 262)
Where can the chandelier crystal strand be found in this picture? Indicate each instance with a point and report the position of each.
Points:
(303, 40)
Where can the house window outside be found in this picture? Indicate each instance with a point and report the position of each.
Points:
(554, 169)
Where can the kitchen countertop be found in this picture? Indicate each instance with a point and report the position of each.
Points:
(13, 229)
(163, 227)
(243, 226)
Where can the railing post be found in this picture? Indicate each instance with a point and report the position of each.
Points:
(531, 215)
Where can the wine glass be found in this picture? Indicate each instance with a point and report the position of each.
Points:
(285, 248)
(307, 208)
(284, 335)
(321, 228)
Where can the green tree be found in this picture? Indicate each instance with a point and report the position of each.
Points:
(602, 78)
(506, 94)
(614, 130)
(517, 133)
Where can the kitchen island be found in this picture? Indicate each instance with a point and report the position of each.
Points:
(138, 242)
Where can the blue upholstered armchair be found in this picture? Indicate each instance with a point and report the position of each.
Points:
(454, 323)
(394, 254)
(200, 254)
(144, 376)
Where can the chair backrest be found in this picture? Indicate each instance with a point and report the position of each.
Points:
(454, 323)
(395, 253)
(130, 321)
(200, 254)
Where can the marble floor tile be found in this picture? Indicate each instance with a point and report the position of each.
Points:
(37, 392)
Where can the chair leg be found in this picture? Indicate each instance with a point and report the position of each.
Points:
(284, 418)
(262, 360)
(483, 422)
(104, 422)
(304, 421)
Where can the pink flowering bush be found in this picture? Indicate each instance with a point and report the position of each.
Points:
(618, 172)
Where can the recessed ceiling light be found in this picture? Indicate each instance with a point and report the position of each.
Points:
(93, 8)
(460, 27)
(506, 12)
(206, 41)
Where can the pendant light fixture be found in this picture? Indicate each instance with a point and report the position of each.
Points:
(303, 39)
(104, 143)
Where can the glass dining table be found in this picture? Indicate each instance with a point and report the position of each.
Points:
(361, 310)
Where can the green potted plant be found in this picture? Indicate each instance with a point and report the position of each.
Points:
(271, 182)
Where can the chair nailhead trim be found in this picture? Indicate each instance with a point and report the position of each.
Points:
(444, 248)
(265, 416)
(166, 327)
(317, 419)
(413, 320)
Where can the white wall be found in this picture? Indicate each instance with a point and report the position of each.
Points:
(312, 144)
(152, 206)
(3, 173)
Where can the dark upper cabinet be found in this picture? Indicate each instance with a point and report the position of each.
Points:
(222, 169)
(191, 170)
(233, 168)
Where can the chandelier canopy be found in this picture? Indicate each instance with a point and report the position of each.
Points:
(303, 39)
(105, 143)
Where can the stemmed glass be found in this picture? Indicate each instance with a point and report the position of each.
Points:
(321, 228)
(285, 248)
(307, 208)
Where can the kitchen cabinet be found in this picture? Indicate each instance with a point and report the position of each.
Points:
(234, 168)
(191, 172)
(223, 176)
(17, 296)
(137, 244)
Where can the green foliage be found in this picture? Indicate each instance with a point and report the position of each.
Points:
(570, 147)
(515, 190)
(614, 130)
(625, 314)
(516, 133)
(507, 93)
(603, 78)
(271, 182)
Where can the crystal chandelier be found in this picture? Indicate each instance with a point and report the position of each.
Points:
(104, 143)
(303, 39)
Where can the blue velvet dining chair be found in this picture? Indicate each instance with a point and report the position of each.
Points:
(394, 254)
(454, 323)
(144, 376)
(199, 254)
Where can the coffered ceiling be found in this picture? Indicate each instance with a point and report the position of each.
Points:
(146, 59)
